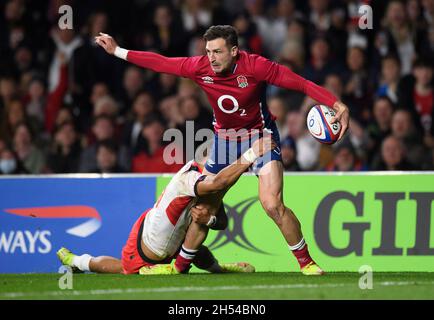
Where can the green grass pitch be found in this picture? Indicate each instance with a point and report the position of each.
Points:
(257, 286)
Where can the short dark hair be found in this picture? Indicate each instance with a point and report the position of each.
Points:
(109, 144)
(392, 56)
(422, 62)
(227, 32)
(151, 119)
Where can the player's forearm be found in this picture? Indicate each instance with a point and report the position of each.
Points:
(228, 176)
(290, 80)
(319, 94)
(151, 60)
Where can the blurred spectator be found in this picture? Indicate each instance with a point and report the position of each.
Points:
(428, 13)
(415, 16)
(12, 115)
(278, 108)
(66, 42)
(3, 144)
(307, 147)
(91, 64)
(196, 46)
(392, 156)
(8, 91)
(345, 159)
(198, 15)
(23, 58)
(133, 83)
(65, 151)
(152, 161)
(103, 129)
(416, 94)
(397, 37)
(166, 35)
(143, 107)
(13, 24)
(320, 64)
(292, 55)
(169, 109)
(380, 127)
(390, 76)
(403, 128)
(358, 90)
(198, 118)
(164, 85)
(191, 110)
(319, 15)
(44, 104)
(10, 164)
(274, 30)
(31, 156)
(333, 82)
(107, 106)
(99, 90)
(289, 155)
(107, 158)
(248, 37)
(64, 115)
(36, 104)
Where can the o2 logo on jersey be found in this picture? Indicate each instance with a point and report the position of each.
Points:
(236, 105)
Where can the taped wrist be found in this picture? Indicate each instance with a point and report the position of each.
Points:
(121, 53)
(250, 155)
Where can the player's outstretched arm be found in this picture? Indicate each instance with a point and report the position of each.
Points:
(149, 60)
(281, 76)
(228, 176)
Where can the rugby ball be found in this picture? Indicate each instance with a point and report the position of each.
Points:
(318, 123)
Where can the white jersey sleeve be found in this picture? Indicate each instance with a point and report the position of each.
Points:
(190, 179)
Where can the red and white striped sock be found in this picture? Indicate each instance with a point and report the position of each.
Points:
(301, 253)
(184, 259)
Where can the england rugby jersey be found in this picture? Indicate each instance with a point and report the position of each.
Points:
(238, 97)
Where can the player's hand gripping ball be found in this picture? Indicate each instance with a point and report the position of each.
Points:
(319, 125)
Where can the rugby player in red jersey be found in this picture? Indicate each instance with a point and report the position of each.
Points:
(235, 83)
(166, 231)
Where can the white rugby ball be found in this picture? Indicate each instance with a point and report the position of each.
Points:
(318, 123)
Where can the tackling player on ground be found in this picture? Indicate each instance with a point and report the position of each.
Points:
(157, 236)
(235, 83)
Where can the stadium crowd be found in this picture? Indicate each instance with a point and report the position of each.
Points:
(66, 106)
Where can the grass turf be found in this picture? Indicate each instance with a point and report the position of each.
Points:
(257, 286)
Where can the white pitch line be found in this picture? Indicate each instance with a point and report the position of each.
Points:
(199, 289)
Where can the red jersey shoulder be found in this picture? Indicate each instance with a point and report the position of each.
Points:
(199, 65)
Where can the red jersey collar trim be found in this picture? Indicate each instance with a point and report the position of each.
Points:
(195, 164)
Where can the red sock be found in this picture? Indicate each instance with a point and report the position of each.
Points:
(184, 260)
(303, 256)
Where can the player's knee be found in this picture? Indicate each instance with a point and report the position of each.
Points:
(274, 208)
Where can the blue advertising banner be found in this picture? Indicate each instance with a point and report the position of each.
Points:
(86, 215)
